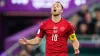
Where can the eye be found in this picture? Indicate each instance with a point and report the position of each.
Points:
(57, 5)
(53, 5)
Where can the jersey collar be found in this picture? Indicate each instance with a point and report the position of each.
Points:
(57, 22)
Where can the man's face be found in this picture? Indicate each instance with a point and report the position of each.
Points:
(56, 9)
(83, 28)
(97, 15)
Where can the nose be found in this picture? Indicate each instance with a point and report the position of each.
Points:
(54, 6)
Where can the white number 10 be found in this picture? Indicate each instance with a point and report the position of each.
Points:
(54, 37)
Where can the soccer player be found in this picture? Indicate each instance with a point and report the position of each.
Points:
(57, 31)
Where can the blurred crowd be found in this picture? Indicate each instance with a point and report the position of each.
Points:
(86, 21)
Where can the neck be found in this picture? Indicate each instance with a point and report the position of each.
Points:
(56, 19)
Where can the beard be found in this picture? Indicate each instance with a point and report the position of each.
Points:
(56, 14)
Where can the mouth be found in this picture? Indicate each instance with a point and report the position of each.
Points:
(55, 10)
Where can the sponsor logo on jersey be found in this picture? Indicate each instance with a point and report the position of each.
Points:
(38, 31)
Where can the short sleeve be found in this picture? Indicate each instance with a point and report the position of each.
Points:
(70, 29)
(41, 31)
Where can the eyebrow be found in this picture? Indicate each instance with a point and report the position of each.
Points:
(57, 4)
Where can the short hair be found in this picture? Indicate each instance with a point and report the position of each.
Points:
(60, 4)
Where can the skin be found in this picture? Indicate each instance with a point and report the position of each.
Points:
(56, 11)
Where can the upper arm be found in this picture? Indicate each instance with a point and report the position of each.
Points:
(71, 32)
(70, 29)
(72, 37)
(41, 31)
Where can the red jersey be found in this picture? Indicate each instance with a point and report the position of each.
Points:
(57, 35)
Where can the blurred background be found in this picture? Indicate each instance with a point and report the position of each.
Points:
(22, 18)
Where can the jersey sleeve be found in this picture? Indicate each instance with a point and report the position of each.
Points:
(71, 32)
(41, 31)
(70, 29)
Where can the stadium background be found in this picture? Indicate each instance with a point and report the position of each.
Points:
(22, 18)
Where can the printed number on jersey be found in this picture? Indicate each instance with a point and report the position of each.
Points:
(54, 37)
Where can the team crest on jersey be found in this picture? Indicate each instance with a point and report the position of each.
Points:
(62, 29)
(55, 29)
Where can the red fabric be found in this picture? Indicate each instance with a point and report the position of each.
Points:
(56, 36)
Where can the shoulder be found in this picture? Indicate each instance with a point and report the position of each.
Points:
(66, 21)
(45, 22)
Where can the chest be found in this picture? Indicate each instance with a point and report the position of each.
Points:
(59, 29)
